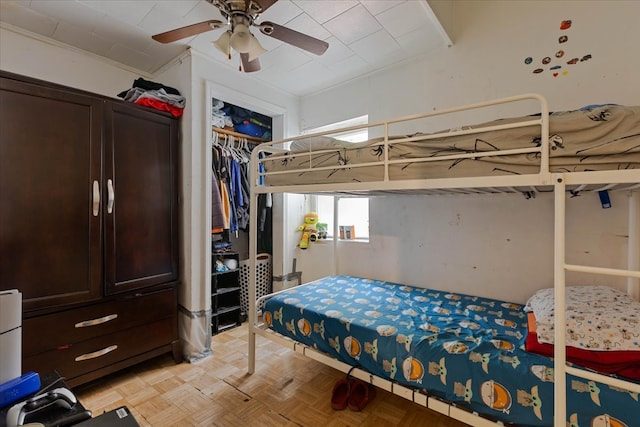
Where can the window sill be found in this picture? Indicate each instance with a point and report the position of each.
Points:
(329, 240)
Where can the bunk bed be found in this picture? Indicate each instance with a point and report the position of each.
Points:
(459, 354)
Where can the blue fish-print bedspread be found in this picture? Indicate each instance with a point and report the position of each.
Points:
(462, 348)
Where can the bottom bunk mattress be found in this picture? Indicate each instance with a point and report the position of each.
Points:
(462, 348)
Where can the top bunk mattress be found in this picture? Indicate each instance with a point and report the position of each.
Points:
(595, 138)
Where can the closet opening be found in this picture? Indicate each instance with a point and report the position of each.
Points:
(235, 125)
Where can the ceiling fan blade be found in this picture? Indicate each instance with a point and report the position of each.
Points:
(249, 66)
(287, 35)
(188, 31)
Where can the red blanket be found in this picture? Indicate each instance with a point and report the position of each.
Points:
(622, 363)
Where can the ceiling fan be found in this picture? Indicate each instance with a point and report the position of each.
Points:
(241, 15)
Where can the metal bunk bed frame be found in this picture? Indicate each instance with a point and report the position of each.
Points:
(620, 180)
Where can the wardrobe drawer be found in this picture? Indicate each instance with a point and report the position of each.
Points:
(63, 329)
(99, 352)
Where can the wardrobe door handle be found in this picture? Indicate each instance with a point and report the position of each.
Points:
(96, 198)
(94, 322)
(88, 356)
(111, 196)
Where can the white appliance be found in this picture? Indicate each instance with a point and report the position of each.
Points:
(10, 335)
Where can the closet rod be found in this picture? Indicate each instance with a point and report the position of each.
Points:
(249, 138)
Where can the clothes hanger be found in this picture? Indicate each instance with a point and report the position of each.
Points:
(244, 152)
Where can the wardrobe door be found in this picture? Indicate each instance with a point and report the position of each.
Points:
(141, 218)
(50, 154)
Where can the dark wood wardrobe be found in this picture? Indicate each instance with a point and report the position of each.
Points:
(88, 227)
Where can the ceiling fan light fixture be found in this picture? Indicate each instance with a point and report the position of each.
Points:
(224, 43)
(241, 15)
(255, 49)
(241, 38)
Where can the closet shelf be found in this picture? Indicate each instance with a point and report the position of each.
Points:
(249, 138)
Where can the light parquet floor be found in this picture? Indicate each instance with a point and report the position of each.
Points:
(287, 389)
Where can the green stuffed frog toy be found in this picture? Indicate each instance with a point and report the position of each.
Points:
(309, 230)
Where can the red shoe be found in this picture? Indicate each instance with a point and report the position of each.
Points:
(340, 394)
(361, 394)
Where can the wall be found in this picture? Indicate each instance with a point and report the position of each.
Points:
(37, 57)
(492, 40)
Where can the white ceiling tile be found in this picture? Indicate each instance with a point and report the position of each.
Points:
(131, 12)
(20, 16)
(311, 70)
(284, 59)
(350, 66)
(324, 10)
(305, 24)
(179, 7)
(337, 52)
(123, 33)
(403, 18)
(162, 54)
(377, 6)
(80, 15)
(375, 47)
(352, 25)
(281, 12)
(83, 39)
(126, 55)
(170, 50)
(309, 76)
(161, 19)
(203, 43)
(203, 11)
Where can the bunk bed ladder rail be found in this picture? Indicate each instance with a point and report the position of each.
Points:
(561, 369)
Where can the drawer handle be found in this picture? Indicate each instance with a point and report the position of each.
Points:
(111, 196)
(96, 198)
(95, 354)
(94, 322)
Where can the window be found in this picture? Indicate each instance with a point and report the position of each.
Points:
(353, 212)
(356, 135)
(353, 215)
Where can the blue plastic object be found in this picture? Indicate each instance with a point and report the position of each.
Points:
(604, 199)
(18, 388)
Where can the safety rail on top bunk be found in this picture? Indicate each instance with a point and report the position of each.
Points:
(273, 151)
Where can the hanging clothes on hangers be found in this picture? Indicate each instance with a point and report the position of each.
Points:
(218, 223)
(230, 166)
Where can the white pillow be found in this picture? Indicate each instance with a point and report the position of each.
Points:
(315, 143)
(599, 318)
